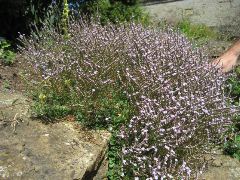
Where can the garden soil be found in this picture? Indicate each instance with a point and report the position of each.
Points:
(221, 167)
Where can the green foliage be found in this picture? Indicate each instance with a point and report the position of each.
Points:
(108, 109)
(120, 12)
(115, 12)
(18, 16)
(49, 104)
(234, 85)
(114, 159)
(50, 19)
(105, 110)
(196, 31)
(7, 56)
(232, 146)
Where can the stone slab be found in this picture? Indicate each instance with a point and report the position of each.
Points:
(30, 149)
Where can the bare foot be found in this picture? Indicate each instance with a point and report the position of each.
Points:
(226, 62)
(229, 59)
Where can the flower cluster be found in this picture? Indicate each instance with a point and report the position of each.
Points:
(179, 101)
(181, 106)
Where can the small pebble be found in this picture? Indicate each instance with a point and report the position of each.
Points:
(217, 163)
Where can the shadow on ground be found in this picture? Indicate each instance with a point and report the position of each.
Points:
(151, 2)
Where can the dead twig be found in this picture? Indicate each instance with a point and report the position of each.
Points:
(15, 122)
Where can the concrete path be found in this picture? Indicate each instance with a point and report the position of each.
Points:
(209, 12)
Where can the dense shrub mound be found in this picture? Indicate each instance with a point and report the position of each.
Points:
(181, 107)
(171, 102)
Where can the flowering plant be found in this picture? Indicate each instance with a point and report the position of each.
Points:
(177, 100)
(180, 102)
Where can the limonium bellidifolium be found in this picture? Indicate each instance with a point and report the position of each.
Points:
(180, 105)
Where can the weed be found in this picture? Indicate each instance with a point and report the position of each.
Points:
(114, 158)
(232, 145)
(65, 18)
(7, 56)
(6, 85)
(197, 31)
